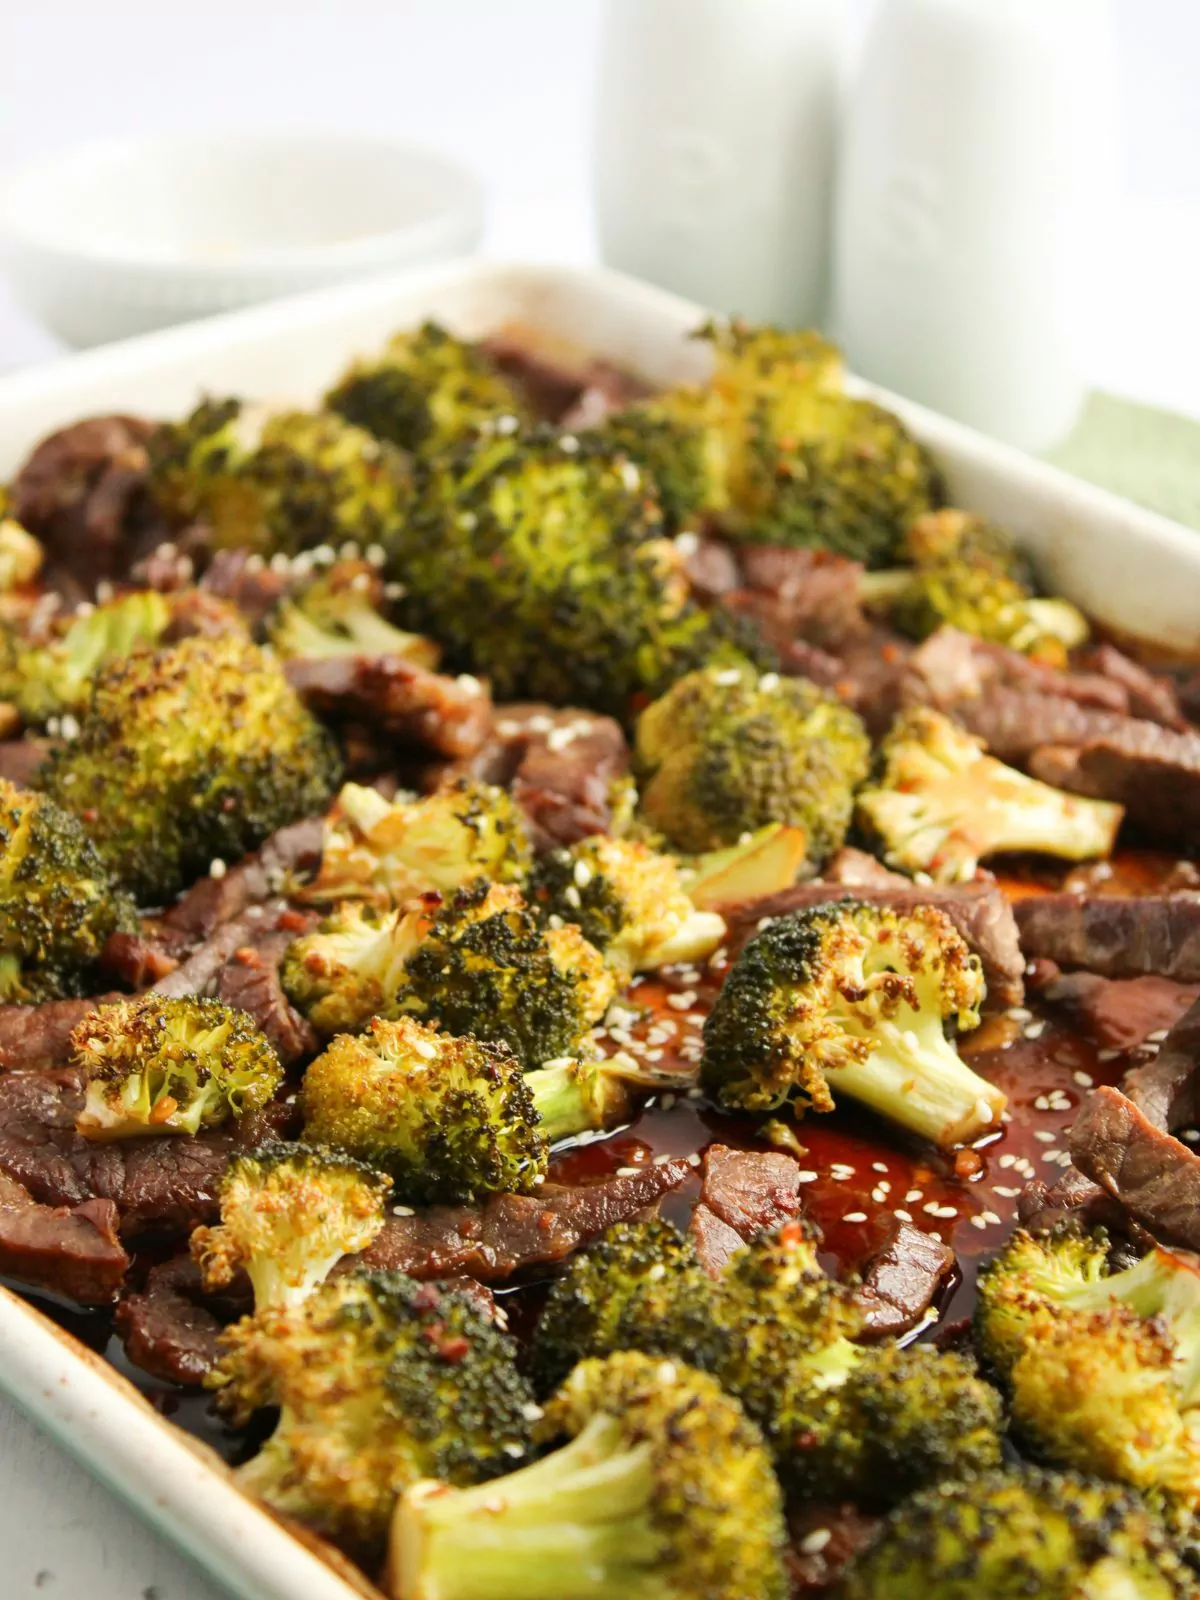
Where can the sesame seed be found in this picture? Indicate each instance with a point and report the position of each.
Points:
(631, 478)
(805, 1176)
(1006, 1190)
(912, 1195)
(1007, 1160)
(541, 723)
(1083, 1079)
(687, 543)
(1044, 1136)
(769, 681)
(568, 444)
(507, 424)
(1034, 1030)
(879, 1166)
(1108, 1055)
(375, 554)
(1051, 1156)
(813, 1543)
(879, 1196)
(424, 1048)
(977, 1222)
(1157, 1036)
(394, 591)
(403, 1211)
(1019, 1014)
(945, 1211)
(694, 1159)
(280, 563)
(992, 1218)
(532, 1412)
(582, 874)
(668, 1102)
(683, 1001)
(559, 738)
(217, 868)
(661, 1160)
(571, 896)
(902, 1215)
(627, 1172)
(728, 677)
(468, 684)
(695, 1094)
(855, 1216)
(507, 728)
(1041, 1103)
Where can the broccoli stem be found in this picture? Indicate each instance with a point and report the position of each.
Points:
(915, 1078)
(576, 1523)
(577, 1096)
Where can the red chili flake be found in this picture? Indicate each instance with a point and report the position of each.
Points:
(291, 921)
(967, 1163)
(247, 956)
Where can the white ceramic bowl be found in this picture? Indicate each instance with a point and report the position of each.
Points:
(115, 239)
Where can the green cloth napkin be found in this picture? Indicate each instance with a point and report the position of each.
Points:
(1149, 456)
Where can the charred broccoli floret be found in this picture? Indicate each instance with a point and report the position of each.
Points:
(1007, 1535)
(676, 454)
(380, 1381)
(1103, 1367)
(385, 851)
(288, 1215)
(57, 676)
(166, 1065)
(276, 483)
(190, 753)
(727, 751)
(353, 966)
(451, 1118)
(849, 998)
(425, 390)
(340, 613)
(940, 805)
(664, 1491)
(58, 901)
(628, 900)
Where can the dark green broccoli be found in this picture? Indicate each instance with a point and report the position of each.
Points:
(386, 851)
(58, 901)
(627, 900)
(940, 805)
(664, 1492)
(726, 751)
(425, 391)
(1010, 1536)
(340, 613)
(680, 457)
(1103, 1367)
(451, 1119)
(288, 1215)
(276, 483)
(380, 1381)
(188, 754)
(165, 1065)
(850, 998)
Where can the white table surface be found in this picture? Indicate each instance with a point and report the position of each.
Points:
(514, 105)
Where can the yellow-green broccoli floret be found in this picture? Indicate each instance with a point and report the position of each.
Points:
(425, 390)
(353, 966)
(57, 676)
(726, 751)
(450, 1118)
(341, 613)
(288, 1215)
(386, 851)
(58, 901)
(940, 805)
(663, 1492)
(170, 1065)
(628, 900)
(380, 1381)
(852, 999)
(188, 754)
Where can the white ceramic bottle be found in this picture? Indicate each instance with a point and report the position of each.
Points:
(715, 147)
(978, 141)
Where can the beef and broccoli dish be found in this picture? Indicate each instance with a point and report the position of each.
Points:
(599, 992)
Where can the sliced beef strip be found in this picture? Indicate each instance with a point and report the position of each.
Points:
(1042, 1207)
(855, 869)
(36, 1037)
(1150, 697)
(73, 1252)
(952, 669)
(900, 1283)
(1154, 1177)
(1152, 771)
(294, 850)
(135, 961)
(511, 1232)
(245, 579)
(171, 1328)
(22, 759)
(1115, 936)
(871, 677)
(979, 911)
(715, 1241)
(606, 389)
(711, 567)
(250, 981)
(450, 716)
(1167, 1089)
(1119, 1013)
(822, 1541)
(743, 1193)
(800, 594)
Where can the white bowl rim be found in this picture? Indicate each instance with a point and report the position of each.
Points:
(461, 207)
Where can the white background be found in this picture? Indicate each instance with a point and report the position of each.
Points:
(504, 85)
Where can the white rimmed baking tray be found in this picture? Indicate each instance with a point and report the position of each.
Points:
(1135, 571)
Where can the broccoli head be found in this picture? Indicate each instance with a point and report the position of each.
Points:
(353, 965)
(664, 1490)
(170, 1065)
(380, 1381)
(385, 851)
(940, 805)
(57, 676)
(288, 1215)
(340, 613)
(276, 483)
(726, 751)
(628, 900)
(1009, 1535)
(58, 901)
(678, 455)
(190, 753)
(425, 391)
(849, 998)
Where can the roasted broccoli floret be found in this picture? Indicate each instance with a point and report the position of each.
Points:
(58, 901)
(451, 1118)
(57, 676)
(680, 457)
(1008, 1535)
(852, 999)
(188, 754)
(170, 1065)
(379, 1381)
(726, 751)
(386, 851)
(276, 483)
(628, 900)
(288, 1215)
(940, 805)
(966, 573)
(1103, 1367)
(764, 862)
(425, 390)
(21, 555)
(340, 613)
(664, 1492)
(353, 966)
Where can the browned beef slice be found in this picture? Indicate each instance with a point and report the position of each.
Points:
(291, 851)
(549, 386)
(814, 1564)
(250, 981)
(22, 759)
(953, 669)
(1151, 697)
(169, 1329)
(1072, 1198)
(979, 911)
(1120, 1013)
(245, 579)
(33, 1037)
(135, 960)
(1155, 1178)
(855, 869)
(606, 389)
(743, 1192)
(1152, 771)
(563, 767)
(1114, 936)
(1167, 1089)
(712, 568)
(72, 1252)
(899, 1285)
(800, 594)
(510, 1232)
(715, 1241)
(451, 716)
(871, 676)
